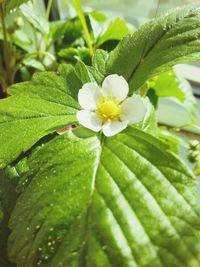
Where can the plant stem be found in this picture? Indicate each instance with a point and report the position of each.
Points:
(79, 11)
(4, 86)
(49, 5)
(5, 44)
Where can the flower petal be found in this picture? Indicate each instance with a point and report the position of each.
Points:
(115, 85)
(89, 119)
(133, 109)
(114, 127)
(88, 95)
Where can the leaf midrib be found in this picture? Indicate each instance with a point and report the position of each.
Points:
(39, 117)
(83, 260)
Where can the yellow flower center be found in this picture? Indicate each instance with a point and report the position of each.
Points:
(109, 108)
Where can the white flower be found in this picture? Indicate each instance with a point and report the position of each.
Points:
(107, 108)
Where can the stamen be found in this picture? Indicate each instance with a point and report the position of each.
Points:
(109, 108)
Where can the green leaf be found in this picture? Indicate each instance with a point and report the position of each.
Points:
(157, 45)
(88, 73)
(71, 29)
(34, 63)
(168, 84)
(99, 60)
(34, 18)
(97, 21)
(11, 4)
(116, 30)
(126, 202)
(34, 110)
(83, 73)
(71, 79)
(98, 16)
(71, 54)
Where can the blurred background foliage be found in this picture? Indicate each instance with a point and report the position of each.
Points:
(42, 35)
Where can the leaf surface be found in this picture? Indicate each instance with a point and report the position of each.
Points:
(126, 202)
(34, 110)
(157, 45)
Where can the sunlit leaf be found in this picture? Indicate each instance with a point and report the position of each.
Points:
(124, 202)
(157, 45)
(35, 109)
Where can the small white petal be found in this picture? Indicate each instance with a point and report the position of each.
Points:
(88, 95)
(89, 119)
(114, 127)
(115, 85)
(133, 109)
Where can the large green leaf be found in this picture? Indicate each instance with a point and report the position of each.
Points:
(34, 110)
(125, 201)
(157, 46)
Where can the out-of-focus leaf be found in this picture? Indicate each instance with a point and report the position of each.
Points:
(116, 30)
(34, 18)
(11, 4)
(97, 21)
(34, 63)
(168, 84)
(70, 29)
(72, 54)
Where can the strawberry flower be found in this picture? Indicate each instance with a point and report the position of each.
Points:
(107, 108)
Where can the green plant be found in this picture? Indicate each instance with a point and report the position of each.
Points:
(84, 199)
(33, 43)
